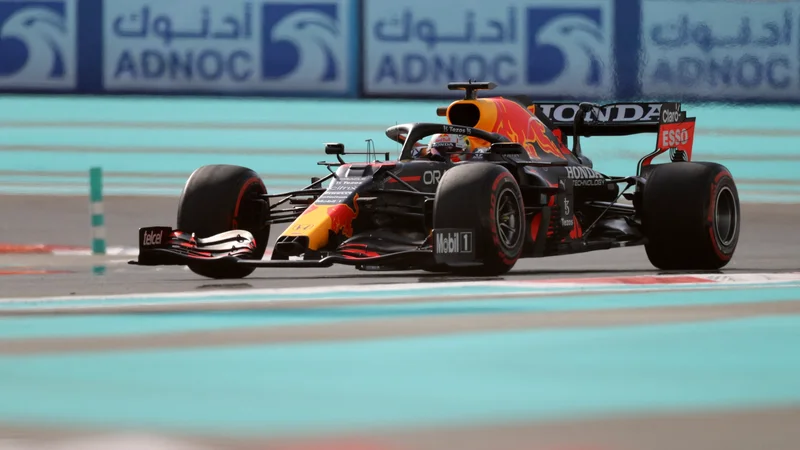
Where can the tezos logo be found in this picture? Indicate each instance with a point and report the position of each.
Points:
(151, 238)
(566, 38)
(300, 41)
(36, 46)
(455, 130)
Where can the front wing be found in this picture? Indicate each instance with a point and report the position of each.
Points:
(164, 246)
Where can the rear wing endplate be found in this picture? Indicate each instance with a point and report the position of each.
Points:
(675, 131)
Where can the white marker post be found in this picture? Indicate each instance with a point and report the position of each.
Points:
(96, 208)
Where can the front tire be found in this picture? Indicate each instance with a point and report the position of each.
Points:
(487, 199)
(218, 198)
(691, 216)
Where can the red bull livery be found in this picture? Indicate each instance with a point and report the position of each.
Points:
(497, 181)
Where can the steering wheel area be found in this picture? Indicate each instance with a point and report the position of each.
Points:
(408, 134)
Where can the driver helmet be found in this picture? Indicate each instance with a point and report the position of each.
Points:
(440, 144)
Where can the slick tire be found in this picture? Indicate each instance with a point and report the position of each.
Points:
(217, 198)
(690, 216)
(485, 198)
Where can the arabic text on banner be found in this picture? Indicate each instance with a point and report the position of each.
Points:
(38, 42)
(228, 46)
(748, 51)
(539, 48)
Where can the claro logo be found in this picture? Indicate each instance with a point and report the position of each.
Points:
(668, 116)
(674, 138)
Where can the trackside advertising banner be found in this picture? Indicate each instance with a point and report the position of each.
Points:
(532, 47)
(734, 50)
(589, 50)
(234, 45)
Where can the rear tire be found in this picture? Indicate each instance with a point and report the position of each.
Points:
(486, 198)
(690, 216)
(216, 199)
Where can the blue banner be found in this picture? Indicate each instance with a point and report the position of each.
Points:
(236, 45)
(736, 50)
(284, 47)
(539, 48)
(594, 50)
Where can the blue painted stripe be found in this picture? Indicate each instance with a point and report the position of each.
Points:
(185, 140)
(112, 191)
(182, 109)
(319, 111)
(154, 163)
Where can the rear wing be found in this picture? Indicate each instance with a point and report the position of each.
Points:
(675, 131)
(614, 119)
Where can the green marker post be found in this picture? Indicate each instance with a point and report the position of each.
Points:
(96, 208)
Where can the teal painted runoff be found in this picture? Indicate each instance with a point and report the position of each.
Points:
(149, 145)
(479, 378)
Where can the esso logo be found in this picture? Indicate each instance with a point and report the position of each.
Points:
(673, 138)
(431, 177)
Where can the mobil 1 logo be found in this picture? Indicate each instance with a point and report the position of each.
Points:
(453, 245)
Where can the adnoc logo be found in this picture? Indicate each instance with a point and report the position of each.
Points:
(303, 42)
(37, 44)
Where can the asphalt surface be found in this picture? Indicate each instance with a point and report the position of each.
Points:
(769, 243)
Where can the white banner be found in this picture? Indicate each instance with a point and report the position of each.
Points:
(731, 49)
(546, 48)
(234, 45)
(38, 44)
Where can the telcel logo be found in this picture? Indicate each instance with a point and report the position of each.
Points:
(151, 238)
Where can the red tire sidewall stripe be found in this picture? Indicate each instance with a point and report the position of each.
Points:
(711, 207)
(505, 258)
(247, 184)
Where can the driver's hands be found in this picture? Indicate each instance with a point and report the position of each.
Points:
(434, 155)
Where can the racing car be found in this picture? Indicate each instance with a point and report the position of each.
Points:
(527, 193)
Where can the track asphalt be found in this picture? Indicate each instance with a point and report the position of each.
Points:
(767, 243)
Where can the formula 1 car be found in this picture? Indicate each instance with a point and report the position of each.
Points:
(526, 194)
